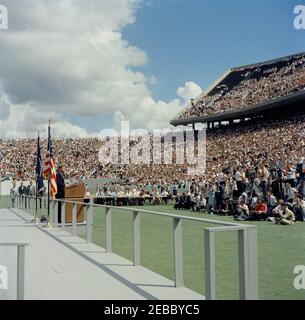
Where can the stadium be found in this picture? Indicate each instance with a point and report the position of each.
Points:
(234, 230)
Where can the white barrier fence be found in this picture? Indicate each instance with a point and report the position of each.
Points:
(247, 241)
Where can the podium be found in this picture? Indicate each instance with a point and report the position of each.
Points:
(75, 193)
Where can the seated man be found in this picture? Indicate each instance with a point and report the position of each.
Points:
(242, 211)
(287, 217)
(200, 202)
(187, 202)
(283, 215)
(276, 211)
(178, 202)
(299, 208)
(260, 211)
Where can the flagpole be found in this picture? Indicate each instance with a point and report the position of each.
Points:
(36, 190)
(49, 198)
(49, 177)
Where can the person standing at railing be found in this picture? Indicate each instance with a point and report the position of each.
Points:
(22, 192)
(31, 189)
(60, 188)
(13, 194)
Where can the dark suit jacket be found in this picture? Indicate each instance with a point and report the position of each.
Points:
(60, 185)
(22, 190)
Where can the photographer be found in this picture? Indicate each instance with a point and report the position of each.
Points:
(277, 180)
(290, 174)
(301, 176)
(283, 215)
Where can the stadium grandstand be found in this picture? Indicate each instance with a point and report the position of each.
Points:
(263, 89)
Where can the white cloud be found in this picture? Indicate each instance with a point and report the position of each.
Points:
(190, 91)
(4, 108)
(69, 56)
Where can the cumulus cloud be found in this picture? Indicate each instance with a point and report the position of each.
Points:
(4, 108)
(69, 56)
(190, 91)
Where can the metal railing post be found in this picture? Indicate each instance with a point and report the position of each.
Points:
(28, 204)
(209, 260)
(74, 219)
(34, 206)
(136, 239)
(20, 271)
(108, 233)
(63, 215)
(89, 219)
(248, 264)
(43, 206)
(53, 212)
(178, 252)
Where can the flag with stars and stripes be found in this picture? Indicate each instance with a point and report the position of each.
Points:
(49, 166)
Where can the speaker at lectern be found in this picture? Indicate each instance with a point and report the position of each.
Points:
(75, 192)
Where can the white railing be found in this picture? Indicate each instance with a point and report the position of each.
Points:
(247, 241)
(20, 266)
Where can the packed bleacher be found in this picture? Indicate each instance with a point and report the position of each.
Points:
(250, 86)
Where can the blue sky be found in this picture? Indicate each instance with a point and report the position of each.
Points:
(197, 40)
(50, 67)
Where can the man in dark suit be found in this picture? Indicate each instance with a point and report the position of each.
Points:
(60, 188)
(22, 191)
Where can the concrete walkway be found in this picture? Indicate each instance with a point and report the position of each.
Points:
(60, 266)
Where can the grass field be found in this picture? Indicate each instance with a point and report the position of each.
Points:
(280, 249)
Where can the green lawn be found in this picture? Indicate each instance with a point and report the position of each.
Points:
(4, 202)
(280, 248)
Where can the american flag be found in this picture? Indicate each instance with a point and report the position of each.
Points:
(49, 166)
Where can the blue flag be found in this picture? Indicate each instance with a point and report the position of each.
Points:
(39, 168)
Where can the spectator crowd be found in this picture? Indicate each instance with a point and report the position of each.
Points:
(257, 85)
(249, 169)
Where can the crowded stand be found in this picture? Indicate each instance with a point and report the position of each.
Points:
(250, 168)
(250, 86)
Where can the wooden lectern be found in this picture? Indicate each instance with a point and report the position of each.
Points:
(75, 192)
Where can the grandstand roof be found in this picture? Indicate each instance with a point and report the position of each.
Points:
(231, 78)
(289, 104)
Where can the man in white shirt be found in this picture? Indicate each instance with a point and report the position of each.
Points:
(289, 193)
(290, 174)
(272, 202)
(13, 194)
(239, 181)
(242, 211)
(264, 176)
